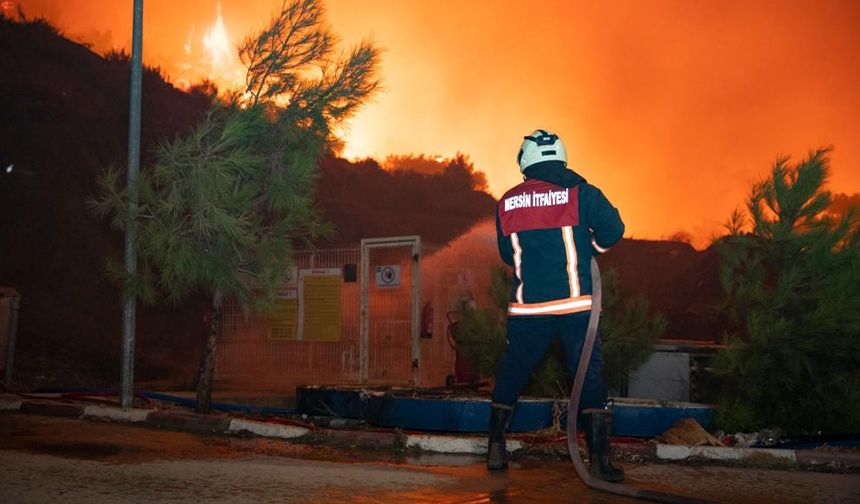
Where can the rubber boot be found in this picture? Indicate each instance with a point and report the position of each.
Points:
(497, 450)
(598, 427)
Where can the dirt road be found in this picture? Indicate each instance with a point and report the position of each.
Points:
(50, 459)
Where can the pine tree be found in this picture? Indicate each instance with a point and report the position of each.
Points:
(793, 348)
(223, 206)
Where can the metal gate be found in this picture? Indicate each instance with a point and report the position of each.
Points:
(389, 311)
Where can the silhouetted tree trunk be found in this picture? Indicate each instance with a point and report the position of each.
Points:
(206, 372)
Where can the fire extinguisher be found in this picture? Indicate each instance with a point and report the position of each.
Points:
(427, 320)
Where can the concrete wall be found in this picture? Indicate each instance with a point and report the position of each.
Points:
(666, 375)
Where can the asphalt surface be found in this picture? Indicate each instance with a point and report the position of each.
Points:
(54, 459)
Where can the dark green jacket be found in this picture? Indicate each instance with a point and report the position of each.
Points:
(548, 228)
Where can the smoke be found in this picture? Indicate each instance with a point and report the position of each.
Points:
(673, 109)
(462, 269)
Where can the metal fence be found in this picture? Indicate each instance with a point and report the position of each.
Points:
(248, 354)
(249, 357)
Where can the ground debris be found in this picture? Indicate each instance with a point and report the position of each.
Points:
(688, 432)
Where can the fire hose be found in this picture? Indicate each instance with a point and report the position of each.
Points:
(573, 408)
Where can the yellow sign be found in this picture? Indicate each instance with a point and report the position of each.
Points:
(284, 320)
(319, 304)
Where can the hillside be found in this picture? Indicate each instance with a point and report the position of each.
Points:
(363, 200)
(64, 119)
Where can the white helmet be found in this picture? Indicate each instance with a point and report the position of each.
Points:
(541, 146)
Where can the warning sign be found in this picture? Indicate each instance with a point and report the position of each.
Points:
(388, 275)
(284, 321)
(320, 314)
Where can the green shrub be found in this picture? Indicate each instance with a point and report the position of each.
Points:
(629, 329)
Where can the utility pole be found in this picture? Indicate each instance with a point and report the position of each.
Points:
(129, 307)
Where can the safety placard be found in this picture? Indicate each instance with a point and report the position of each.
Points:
(284, 320)
(388, 275)
(319, 304)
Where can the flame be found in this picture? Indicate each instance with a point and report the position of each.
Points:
(217, 42)
(355, 142)
(212, 56)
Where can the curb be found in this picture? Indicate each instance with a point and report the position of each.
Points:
(455, 444)
(435, 443)
(10, 405)
(161, 419)
(812, 457)
(194, 422)
(375, 439)
(52, 409)
(117, 414)
(239, 425)
(681, 452)
(786, 456)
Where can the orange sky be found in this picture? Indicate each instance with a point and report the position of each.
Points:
(673, 108)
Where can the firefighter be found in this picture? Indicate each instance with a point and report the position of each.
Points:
(548, 228)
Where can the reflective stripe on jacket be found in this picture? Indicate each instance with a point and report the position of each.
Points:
(548, 234)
